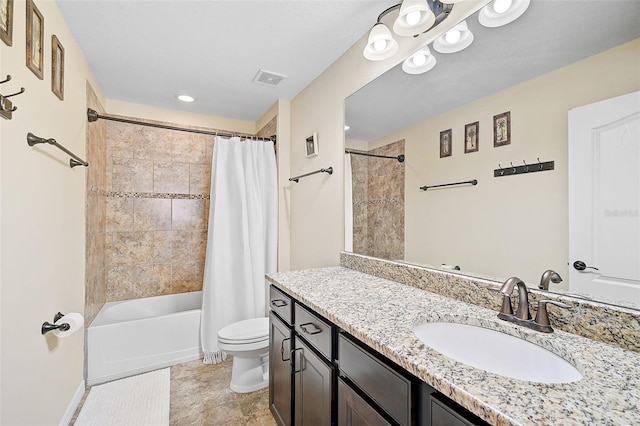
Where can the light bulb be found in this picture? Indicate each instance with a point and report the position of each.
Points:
(501, 6)
(412, 18)
(419, 59)
(453, 36)
(379, 45)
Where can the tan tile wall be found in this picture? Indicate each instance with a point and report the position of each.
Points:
(95, 263)
(378, 203)
(156, 210)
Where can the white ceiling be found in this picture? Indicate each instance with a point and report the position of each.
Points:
(147, 52)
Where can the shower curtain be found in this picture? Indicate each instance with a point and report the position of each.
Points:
(242, 237)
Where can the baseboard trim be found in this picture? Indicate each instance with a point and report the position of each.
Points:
(73, 405)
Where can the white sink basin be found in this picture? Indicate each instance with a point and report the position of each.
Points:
(497, 352)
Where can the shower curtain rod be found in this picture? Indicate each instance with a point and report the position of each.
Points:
(93, 115)
(400, 157)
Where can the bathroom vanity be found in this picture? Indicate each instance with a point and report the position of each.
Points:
(343, 352)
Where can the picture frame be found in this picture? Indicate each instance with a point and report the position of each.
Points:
(57, 67)
(6, 21)
(445, 143)
(502, 129)
(471, 137)
(35, 40)
(311, 145)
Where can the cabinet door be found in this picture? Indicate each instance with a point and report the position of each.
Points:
(313, 388)
(280, 390)
(354, 411)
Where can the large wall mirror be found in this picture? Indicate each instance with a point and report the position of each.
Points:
(451, 125)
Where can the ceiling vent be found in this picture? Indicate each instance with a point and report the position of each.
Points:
(268, 78)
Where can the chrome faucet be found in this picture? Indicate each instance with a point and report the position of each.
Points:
(549, 275)
(523, 297)
(523, 315)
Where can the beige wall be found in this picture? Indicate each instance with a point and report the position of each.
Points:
(515, 225)
(42, 220)
(317, 202)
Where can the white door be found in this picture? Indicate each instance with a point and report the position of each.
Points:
(604, 199)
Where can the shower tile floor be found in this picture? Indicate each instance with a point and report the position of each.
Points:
(200, 395)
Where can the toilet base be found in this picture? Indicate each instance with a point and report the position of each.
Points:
(249, 374)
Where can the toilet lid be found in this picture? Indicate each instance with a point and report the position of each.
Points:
(251, 330)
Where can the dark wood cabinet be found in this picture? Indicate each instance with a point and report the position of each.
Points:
(280, 378)
(313, 386)
(353, 410)
(320, 375)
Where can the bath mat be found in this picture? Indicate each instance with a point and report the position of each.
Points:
(134, 401)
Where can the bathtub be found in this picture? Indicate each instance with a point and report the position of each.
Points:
(136, 336)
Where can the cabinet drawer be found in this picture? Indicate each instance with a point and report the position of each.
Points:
(353, 410)
(281, 304)
(390, 390)
(314, 330)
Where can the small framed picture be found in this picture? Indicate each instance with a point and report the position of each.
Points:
(471, 139)
(35, 39)
(445, 143)
(502, 129)
(6, 21)
(311, 145)
(57, 67)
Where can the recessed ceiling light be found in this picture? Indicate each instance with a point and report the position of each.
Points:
(346, 127)
(185, 98)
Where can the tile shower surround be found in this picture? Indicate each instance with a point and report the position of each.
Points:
(378, 203)
(147, 210)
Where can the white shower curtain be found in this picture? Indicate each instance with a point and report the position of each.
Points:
(242, 237)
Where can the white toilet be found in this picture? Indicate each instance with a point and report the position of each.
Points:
(248, 342)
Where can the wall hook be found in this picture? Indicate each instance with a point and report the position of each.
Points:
(526, 166)
(501, 169)
(513, 168)
(539, 164)
(15, 94)
(6, 79)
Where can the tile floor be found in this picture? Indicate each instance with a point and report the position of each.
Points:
(200, 396)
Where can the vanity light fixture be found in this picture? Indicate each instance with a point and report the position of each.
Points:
(185, 98)
(380, 45)
(502, 12)
(454, 40)
(415, 17)
(420, 62)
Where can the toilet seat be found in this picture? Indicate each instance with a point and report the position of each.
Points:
(245, 332)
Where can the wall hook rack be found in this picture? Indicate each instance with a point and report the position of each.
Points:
(525, 168)
(470, 182)
(73, 161)
(6, 106)
(297, 178)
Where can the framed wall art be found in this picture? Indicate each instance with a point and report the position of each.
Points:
(35, 39)
(502, 129)
(6, 21)
(471, 139)
(445, 143)
(57, 67)
(311, 145)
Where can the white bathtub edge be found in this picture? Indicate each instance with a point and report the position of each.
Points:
(157, 366)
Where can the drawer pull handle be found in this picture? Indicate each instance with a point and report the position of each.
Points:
(315, 330)
(282, 350)
(292, 356)
(278, 303)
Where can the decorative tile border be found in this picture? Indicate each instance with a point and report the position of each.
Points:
(382, 201)
(164, 195)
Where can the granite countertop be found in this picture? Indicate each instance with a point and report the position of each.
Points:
(381, 313)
